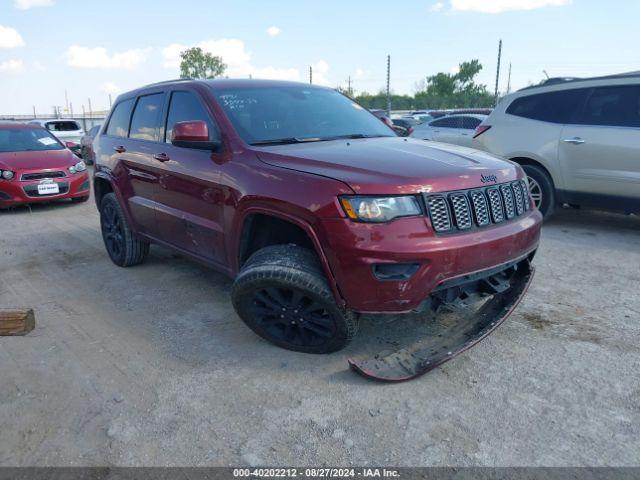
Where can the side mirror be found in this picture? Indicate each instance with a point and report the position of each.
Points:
(193, 134)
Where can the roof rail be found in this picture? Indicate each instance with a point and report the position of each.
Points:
(560, 80)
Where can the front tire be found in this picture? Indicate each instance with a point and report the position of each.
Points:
(282, 294)
(123, 247)
(541, 189)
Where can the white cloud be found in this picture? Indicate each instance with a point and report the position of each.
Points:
(499, 6)
(39, 66)
(234, 55)
(436, 7)
(10, 38)
(99, 57)
(27, 4)
(11, 66)
(112, 88)
(320, 69)
(273, 31)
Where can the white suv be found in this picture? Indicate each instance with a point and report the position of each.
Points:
(578, 140)
(64, 130)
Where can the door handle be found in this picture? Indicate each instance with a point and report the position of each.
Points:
(161, 157)
(120, 149)
(574, 140)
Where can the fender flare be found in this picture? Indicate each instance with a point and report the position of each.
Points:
(305, 226)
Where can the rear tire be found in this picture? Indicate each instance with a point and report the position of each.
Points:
(541, 189)
(123, 247)
(281, 293)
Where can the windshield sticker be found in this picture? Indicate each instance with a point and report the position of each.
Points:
(47, 141)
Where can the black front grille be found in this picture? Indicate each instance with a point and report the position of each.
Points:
(32, 190)
(41, 175)
(480, 207)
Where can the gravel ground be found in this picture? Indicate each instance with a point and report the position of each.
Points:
(151, 366)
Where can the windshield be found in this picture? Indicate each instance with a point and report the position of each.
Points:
(63, 126)
(297, 114)
(27, 139)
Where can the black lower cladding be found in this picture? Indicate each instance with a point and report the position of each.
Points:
(452, 338)
(4, 196)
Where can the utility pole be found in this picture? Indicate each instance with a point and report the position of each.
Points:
(110, 102)
(34, 112)
(90, 112)
(66, 101)
(498, 70)
(71, 108)
(349, 89)
(509, 80)
(388, 85)
(310, 74)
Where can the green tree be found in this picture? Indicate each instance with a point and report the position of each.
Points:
(198, 64)
(455, 90)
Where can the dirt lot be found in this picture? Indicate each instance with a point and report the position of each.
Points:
(151, 366)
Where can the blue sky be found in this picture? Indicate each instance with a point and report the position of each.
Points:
(94, 48)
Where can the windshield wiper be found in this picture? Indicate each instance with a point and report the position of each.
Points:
(284, 141)
(352, 136)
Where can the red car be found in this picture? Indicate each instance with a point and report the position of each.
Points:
(318, 210)
(36, 167)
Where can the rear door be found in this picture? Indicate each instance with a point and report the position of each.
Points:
(446, 129)
(600, 151)
(469, 125)
(190, 198)
(132, 130)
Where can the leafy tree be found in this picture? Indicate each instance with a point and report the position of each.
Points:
(198, 64)
(455, 90)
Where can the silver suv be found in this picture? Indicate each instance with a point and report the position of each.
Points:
(578, 140)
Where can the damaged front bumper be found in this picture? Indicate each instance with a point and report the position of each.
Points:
(505, 286)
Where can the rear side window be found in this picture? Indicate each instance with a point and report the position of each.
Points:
(145, 122)
(62, 126)
(446, 122)
(184, 107)
(613, 106)
(556, 107)
(119, 121)
(470, 123)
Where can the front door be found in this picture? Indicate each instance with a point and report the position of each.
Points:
(190, 198)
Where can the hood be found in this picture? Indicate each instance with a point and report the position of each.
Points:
(393, 165)
(45, 160)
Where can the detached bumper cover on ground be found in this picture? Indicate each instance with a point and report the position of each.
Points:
(426, 354)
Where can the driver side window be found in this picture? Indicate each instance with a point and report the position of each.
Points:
(184, 107)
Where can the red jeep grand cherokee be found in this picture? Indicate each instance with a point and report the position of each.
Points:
(318, 210)
(36, 167)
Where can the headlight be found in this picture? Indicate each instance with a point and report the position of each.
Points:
(7, 174)
(78, 167)
(379, 209)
